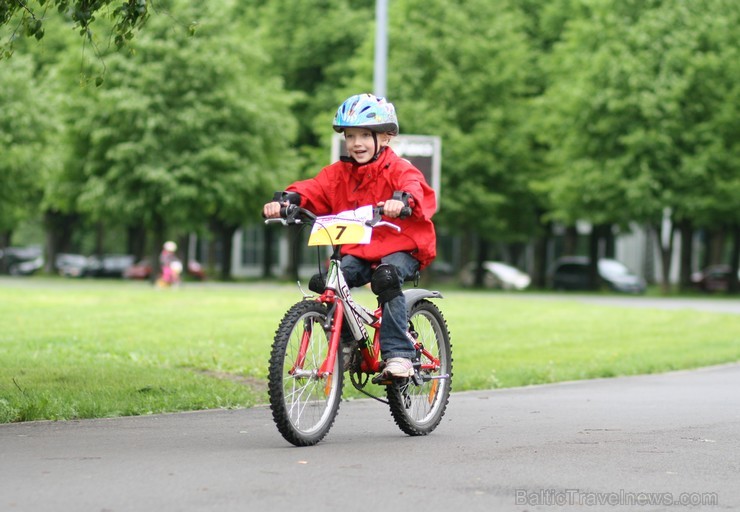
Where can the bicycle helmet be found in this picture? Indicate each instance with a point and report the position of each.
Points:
(366, 111)
(170, 246)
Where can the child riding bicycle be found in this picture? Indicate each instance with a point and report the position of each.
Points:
(373, 173)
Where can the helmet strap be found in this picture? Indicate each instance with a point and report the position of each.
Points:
(378, 149)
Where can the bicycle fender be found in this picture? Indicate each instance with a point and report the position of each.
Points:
(416, 294)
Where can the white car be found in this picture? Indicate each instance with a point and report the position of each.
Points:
(497, 275)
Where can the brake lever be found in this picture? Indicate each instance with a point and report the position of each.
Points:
(378, 212)
(284, 222)
(385, 223)
(376, 220)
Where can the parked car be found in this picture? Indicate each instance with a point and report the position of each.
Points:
(497, 275)
(441, 272)
(107, 265)
(22, 261)
(571, 273)
(714, 278)
(71, 265)
(143, 270)
(110, 265)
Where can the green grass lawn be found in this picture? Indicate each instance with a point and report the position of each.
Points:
(86, 348)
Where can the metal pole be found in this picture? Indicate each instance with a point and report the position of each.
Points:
(381, 47)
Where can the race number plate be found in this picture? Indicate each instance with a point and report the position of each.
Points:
(344, 228)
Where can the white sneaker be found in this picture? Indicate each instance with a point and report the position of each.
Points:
(398, 367)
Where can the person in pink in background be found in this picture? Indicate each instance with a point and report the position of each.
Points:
(170, 264)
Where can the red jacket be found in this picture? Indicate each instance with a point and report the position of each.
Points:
(346, 186)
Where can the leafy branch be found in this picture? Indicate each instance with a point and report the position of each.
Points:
(128, 17)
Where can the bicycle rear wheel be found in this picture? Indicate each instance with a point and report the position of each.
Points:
(304, 404)
(418, 409)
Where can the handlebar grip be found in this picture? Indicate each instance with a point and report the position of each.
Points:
(404, 197)
(287, 210)
(405, 212)
(284, 211)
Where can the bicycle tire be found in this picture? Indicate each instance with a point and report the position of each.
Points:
(418, 409)
(303, 407)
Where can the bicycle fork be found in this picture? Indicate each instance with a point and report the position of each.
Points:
(332, 327)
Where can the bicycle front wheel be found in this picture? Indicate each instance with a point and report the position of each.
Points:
(304, 403)
(417, 408)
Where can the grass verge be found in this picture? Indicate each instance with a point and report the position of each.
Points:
(84, 349)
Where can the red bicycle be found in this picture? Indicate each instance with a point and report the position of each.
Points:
(309, 356)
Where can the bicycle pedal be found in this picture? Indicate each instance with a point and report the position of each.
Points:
(418, 379)
(385, 380)
(382, 380)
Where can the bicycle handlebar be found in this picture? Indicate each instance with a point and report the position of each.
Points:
(291, 215)
(294, 214)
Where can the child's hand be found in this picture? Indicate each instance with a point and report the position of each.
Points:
(272, 210)
(392, 208)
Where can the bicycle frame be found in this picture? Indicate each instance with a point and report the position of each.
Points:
(306, 374)
(343, 308)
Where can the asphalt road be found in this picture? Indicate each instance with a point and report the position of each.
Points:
(638, 443)
(712, 304)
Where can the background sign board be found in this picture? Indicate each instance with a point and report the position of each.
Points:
(424, 151)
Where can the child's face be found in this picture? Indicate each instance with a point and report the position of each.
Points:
(361, 143)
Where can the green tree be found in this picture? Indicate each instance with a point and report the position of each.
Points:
(636, 105)
(28, 128)
(186, 131)
(28, 18)
(466, 72)
(312, 44)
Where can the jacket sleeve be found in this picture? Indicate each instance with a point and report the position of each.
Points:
(315, 193)
(411, 180)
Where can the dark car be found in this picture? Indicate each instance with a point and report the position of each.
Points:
(22, 261)
(714, 278)
(110, 265)
(107, 265)
(71, 265)
(571, 273)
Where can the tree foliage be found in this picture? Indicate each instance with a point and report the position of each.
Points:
(182, 130)
(640, 114)
(28, 128)
(312, 45)
(186, 131)
(465, 72)
(549, 110)
(640, 98)
(28, 18)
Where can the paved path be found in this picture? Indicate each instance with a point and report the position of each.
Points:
(712, 304)
(592, 445)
